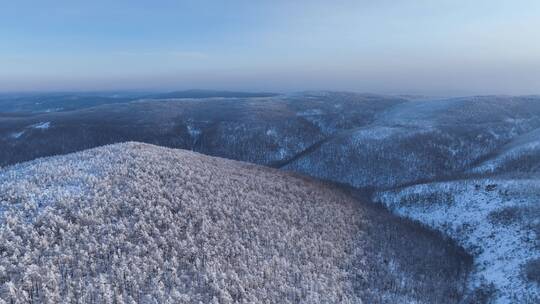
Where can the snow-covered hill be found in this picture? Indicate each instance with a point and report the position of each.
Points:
(521, 155)
(419, 141)
(262, 130)
(496, 219)
(138, 223)
(373, 143)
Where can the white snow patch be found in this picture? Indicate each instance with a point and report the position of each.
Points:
(282, 153)
(53, 110)
(193, 131)
(17, 135)
(41, 125)
(310, 112)
(271, 132)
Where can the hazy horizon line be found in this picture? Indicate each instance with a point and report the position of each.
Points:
(277, 92)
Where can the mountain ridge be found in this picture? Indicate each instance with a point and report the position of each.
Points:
(137, 222)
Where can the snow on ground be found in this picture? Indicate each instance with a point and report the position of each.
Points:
(310, 112)
(271, 132)
(193, 131)
(41, 125)
(517, 152)
(500, 160)
(37, 126)
(491, 218)
(17, 135)
(53, 110)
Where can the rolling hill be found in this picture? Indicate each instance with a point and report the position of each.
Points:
(265, 131)
(420, 157)
(421, 140)
(138, 223)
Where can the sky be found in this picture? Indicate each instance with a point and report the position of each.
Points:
(437, 47)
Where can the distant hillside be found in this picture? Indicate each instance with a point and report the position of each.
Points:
(61, 102)
(419, 141)
(210, 94)
(139, 223)
(366, 141)
(520, 155)
(266, 131)
(45, 103)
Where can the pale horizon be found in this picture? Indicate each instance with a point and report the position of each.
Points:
(448, 48)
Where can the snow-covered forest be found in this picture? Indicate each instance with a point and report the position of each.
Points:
(465, 167)
(495, 219)
(134, 223)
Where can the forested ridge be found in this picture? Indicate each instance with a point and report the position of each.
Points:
(134, 223)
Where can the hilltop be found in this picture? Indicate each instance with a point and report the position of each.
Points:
(135, 222)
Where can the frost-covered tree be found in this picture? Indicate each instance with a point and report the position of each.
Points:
(133, 223)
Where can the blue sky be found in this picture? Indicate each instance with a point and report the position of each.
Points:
(415, 47)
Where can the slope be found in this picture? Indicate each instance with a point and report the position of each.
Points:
(259, 130)
(421, 140)
(139, 223)
(495, 219)
(521, 155)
